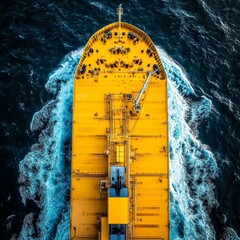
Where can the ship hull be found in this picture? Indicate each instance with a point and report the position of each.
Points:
(123, 133)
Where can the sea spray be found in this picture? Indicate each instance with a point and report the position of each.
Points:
(44, 173)
(192, 166)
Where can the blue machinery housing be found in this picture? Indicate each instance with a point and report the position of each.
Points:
(118, 190)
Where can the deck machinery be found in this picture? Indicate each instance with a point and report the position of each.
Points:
(120, 168)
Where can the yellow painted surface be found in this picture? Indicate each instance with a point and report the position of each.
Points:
(106, 133)
(104, 228)
(120, 154)
(118, 210)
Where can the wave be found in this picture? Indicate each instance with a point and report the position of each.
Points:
(44, 173)
(193, 167)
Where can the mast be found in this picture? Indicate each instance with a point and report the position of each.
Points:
(120, 13)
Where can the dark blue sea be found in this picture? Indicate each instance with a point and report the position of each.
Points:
(41, 44)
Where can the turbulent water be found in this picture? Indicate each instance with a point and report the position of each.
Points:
(198, 43)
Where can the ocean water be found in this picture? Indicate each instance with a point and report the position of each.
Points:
(41, 44)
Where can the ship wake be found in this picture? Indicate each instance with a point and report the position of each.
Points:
(193, 168)
(45, 170)
(44, 173)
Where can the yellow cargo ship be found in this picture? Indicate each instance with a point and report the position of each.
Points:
(120, 167)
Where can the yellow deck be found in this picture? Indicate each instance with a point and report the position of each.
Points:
(105, 132)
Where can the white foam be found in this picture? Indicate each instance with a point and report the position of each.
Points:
(45, 171)
(192, 165)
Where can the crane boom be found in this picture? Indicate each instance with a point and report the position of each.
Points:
(137, 99)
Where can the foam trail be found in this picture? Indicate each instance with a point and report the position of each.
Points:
(45, 170)
(193, 167)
